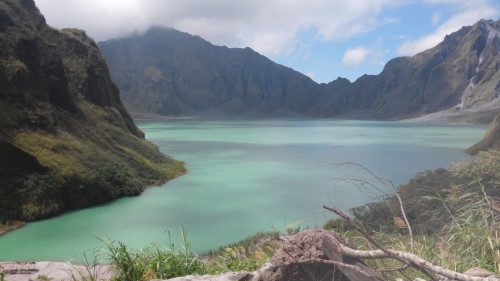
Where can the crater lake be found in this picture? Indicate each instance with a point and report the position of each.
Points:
(246, 176)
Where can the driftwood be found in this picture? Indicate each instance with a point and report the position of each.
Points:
(406, 258)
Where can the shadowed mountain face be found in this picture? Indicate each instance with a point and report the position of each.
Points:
(168, 72)
(66, 141)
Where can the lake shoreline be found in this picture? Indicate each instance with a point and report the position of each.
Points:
(10, 226)
(15, 225)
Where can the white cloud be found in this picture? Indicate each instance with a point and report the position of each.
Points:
(269, 26)
(355, 56)
(468, 13)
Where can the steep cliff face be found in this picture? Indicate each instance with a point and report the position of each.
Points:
(168, 72)
(66, 140)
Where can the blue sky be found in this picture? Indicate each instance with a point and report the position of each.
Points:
(323, 60)
(324, 39)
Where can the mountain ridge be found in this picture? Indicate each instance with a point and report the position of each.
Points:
(159, 73)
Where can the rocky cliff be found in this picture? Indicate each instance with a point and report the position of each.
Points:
(168, 72)
(66, 140)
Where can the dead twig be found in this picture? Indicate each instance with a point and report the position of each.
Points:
(387, 184)
(408, 226)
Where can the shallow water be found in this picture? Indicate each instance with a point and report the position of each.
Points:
(246, 176)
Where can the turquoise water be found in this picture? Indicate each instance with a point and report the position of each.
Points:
(246, 176)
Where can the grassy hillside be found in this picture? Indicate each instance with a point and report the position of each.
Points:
(490, 140)
(66, 141)
(454, 213)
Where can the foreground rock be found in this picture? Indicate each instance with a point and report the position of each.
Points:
(308, 255)
(54, 271)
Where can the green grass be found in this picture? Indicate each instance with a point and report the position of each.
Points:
(155, 261)
(248, 254)
(436, 249)
(166, 261)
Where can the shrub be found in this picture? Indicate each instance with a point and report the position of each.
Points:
(154, 262)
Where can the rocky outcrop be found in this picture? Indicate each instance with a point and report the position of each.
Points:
(308, 255)
(66, 140)
(167, 72)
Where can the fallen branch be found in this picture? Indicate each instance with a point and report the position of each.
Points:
(407, 258)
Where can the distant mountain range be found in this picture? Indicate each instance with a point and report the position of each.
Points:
(168, 72)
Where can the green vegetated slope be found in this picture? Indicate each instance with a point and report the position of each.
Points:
(490, 140)
(454, 213)
(426, 195)
(66, 141)
(168, 72)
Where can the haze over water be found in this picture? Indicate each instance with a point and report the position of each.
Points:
(245, 176)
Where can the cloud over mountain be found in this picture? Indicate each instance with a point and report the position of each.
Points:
(269, 26)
